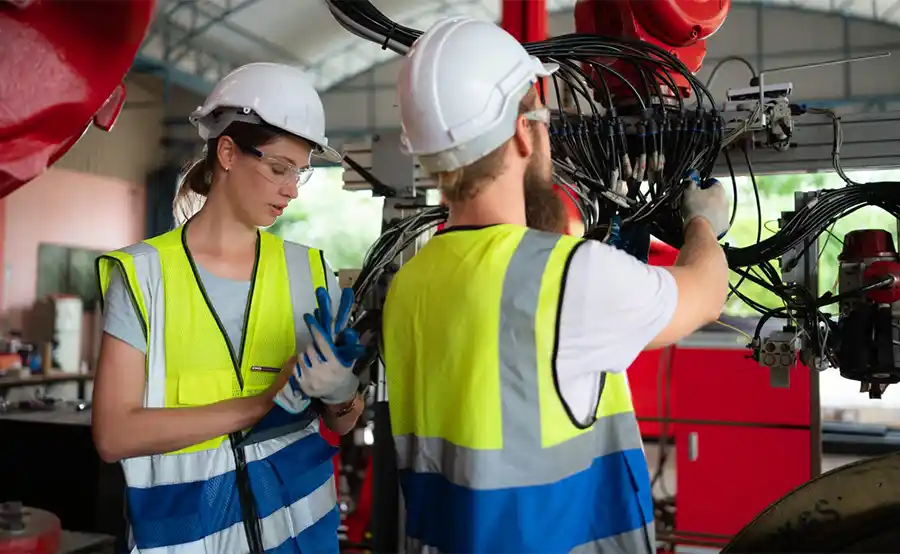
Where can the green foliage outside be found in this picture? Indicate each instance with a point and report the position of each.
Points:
(341, 223)
(344, 224)
(776, 196)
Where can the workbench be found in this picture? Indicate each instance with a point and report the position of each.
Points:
(53, 378)
(55, 467)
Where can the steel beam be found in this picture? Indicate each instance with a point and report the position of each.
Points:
(870, 141)
(176, 48)
(200, 67)
(182, 47)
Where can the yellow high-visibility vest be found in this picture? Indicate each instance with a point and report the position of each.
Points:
(193, 500)
(490, 458)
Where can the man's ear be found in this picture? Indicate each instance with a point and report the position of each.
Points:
(523, 139)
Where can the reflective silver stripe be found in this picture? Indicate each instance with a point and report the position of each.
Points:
(629, 542)
(150, 471)
(520, 397)
(285, 523)
(302, 295)
(523, 461)
(148, 270)
(498, 469)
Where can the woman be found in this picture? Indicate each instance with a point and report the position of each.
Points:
(202, 329)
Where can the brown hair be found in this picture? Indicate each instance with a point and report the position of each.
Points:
(545, 210)
(465, 183)
(198, 175)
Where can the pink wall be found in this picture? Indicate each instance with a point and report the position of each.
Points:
(66, 208)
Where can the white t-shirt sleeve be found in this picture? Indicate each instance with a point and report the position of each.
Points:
(612, 307)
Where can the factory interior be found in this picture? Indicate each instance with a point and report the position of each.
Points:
(775, 428)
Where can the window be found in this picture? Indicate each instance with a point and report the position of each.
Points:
(343, 224)
(777, 195)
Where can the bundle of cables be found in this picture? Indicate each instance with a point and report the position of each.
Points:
(630, 155)
(624, 155)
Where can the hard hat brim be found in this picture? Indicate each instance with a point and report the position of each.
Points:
(547, 69)
(320, 150)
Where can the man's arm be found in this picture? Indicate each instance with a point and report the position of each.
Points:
(701, 276)
(613, 306)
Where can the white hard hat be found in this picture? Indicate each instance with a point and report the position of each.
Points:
(280, 95)
(459, 91)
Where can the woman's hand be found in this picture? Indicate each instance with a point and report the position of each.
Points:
(322, 372)
(325, 370)
(286, 391)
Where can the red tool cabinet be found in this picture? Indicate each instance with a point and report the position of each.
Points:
(740, 443)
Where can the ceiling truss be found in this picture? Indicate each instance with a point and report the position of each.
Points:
(178, 47)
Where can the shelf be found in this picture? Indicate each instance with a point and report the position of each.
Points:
(37, 380)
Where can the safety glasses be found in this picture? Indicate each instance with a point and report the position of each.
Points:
(541, 115)
(279, 171)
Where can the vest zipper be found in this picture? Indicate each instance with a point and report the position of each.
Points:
(249, 513)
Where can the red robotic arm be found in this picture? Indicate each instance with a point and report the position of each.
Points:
(679, 26)
(61, 70)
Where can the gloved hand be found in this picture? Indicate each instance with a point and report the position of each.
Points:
(325, 369)
(709, 202)
(291, 398)
(633, 239)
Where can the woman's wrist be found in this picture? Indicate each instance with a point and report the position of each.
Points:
(341, 410)
(259, 405)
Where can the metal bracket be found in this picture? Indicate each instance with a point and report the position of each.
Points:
(870, 141)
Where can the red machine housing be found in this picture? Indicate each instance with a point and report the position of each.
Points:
(28, 530)
(874, 249)
(679, 26)
(62, 69)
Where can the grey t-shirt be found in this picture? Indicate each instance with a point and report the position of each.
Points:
(228, 298)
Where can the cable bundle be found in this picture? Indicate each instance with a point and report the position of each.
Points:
(624, 146)
(624, 153)
(396, 238)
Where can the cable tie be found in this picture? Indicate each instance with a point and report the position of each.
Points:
(389, 35)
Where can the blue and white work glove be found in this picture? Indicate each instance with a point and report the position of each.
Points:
(325, 369)
(707, 200)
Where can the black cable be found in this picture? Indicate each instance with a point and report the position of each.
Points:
(628, 157)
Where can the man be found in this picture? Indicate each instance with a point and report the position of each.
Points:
(505, 347)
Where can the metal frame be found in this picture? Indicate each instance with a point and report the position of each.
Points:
(870, 141)
(176, 48)
(805, 272)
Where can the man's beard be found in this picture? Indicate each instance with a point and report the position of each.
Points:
(544, 209)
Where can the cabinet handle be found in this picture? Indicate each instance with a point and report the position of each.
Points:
(693, 446)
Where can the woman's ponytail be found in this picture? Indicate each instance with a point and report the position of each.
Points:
(192, 190)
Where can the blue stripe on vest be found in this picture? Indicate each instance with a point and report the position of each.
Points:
(278, 422)
(320, 538)
(167, 515)
(597, 503)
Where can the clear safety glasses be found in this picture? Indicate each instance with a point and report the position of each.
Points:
(541, 115)
(279, 171)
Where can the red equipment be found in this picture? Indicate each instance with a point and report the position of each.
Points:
(63, 65)
(28, 530)
(868, 323)
(679, 26)
(872, 250)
